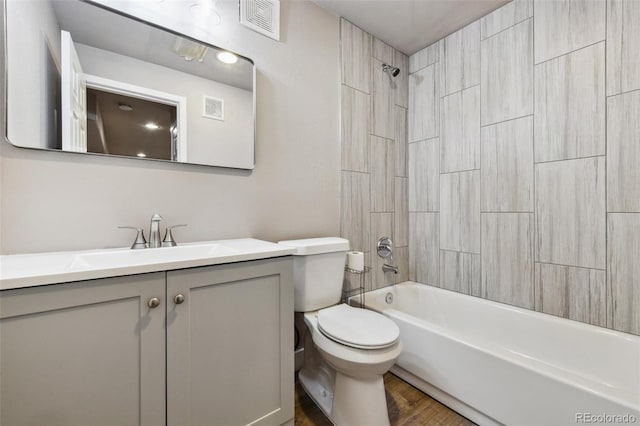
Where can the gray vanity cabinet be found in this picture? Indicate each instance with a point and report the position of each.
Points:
(229, 344)
(106, 352)
(84, 353)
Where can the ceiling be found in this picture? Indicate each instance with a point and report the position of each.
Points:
(410, 25)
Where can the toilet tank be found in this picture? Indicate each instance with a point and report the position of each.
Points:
(318, 271)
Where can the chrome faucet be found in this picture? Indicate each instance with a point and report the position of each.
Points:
(154, 231)
(390, 268)
(154, 235)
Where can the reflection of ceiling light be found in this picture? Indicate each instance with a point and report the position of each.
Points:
(125, 107)
(227, 57)
(206, 9)
(189, 50)
(141, 154)
(152, 126)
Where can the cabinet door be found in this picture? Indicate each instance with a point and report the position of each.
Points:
(230, 344)
(84, 353)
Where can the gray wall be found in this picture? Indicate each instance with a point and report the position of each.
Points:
(62, 201)
(374, 141)
(522, 160)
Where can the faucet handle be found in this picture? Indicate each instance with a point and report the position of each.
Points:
(140, 241)
(168, 240)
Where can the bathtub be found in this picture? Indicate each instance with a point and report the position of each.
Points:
(499, 364)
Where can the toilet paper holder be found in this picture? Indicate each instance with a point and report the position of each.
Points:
(351, 295)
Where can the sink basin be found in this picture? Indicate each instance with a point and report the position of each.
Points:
(127, 257)
(26, 270)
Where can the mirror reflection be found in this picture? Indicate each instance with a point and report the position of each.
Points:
(85, 79)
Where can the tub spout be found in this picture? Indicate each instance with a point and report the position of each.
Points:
(390, 268)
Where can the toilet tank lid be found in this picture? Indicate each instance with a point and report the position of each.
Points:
(317, 245)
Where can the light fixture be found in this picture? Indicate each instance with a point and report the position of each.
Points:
(151, 126)
(141, 154)
(189, 50)
(227, 57)
(125, 107)
(206, 9)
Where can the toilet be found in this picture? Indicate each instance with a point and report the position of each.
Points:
(347, 349)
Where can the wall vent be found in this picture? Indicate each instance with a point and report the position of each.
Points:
(213, 108)
(262, 16)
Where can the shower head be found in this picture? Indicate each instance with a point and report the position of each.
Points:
(393, 71)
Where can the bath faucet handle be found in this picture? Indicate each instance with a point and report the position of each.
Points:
(168, 240)
(141, 241)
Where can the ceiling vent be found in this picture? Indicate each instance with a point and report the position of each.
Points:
(262, 16)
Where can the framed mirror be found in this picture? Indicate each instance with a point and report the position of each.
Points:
(81, 77)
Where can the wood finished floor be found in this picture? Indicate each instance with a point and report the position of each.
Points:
(406, 404)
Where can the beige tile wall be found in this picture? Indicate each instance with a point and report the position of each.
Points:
(375, 187)
(524, 160)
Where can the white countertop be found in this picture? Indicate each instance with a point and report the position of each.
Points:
(28, 270)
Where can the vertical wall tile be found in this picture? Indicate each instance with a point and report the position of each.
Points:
(623, 152)
(624, 270)
(425, 57)
(570, 105)
(507, 166)
(460, 131)
(356, 111)
(424, 176)
(424, 102)
(381, 226)
(401, 141)
(401, 217)
(355, 56)
(507, 74)
(382, 163)
(507, 16)
(461, 60)
(401, 260)
(460, 272)
(569, 292)
(356, 218)
(383, 52)
(460, 208)
(623, 46)
(424, 248)
(570, 212)
(382, 107)
(564, 26)
(401, 90)
(507, 258)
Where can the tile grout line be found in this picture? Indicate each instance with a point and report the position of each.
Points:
(621, 93)
(535, 64)
(534, 246)
(505, 121)
(507, 28)
(606, 201)
(569, 266)
(572, 159)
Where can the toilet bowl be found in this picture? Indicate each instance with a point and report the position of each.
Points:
(357, 392)
(347, 349)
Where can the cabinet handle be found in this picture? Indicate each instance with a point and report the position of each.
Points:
(178, 299)
(154, 302)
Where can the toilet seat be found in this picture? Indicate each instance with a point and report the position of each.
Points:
(357, 328)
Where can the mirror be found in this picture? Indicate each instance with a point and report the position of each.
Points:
(84, 78)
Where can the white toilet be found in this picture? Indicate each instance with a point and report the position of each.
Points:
(347, 349)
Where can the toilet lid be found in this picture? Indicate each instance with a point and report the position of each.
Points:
(358, 328)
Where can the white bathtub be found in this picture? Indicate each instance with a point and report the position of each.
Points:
(496, 363)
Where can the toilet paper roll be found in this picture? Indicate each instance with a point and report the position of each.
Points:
(355, 260)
